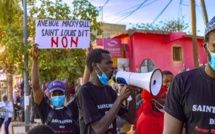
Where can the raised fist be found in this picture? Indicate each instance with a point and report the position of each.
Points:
(35, 51)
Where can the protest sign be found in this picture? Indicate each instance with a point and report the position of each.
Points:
(69, 34)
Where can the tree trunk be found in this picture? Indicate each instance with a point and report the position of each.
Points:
(10, 87)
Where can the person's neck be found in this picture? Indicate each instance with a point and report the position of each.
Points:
(209, 71)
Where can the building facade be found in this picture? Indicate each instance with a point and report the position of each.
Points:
(147, 50)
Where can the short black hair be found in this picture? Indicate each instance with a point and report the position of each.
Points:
(166, 72)
(95, 56)
(41, 129)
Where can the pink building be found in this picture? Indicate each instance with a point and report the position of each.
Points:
(165, 50)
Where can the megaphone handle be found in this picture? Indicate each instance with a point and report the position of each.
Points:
(129, 98)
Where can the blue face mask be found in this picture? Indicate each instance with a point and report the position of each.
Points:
(102, 78)
(58, 101)
(212, 59)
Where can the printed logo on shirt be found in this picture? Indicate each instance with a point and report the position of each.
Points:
(61, 121)
(211, 121)
(103, 106)
(203, 108)
(201, 130)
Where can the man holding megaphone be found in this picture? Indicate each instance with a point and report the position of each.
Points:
(97, 102)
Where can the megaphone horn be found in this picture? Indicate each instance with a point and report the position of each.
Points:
(151, 81)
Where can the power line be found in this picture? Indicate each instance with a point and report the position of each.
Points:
(133, 10)
(127, 11)
(122, 12)
(162, 11)
(188, 5)
(121, 15)
(200, 11)
(104, 5)
(145, 4)
(180, 10)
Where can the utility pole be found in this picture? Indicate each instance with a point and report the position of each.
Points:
(26, 92)
(103, 40)
(194, 39)
(204, 11)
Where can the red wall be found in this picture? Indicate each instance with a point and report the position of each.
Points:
(158, 48)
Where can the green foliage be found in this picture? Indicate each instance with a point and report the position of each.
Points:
(53, 63)
(166, 25)
(8, 8)
(84, 10)
(11, 35)
(60, 64)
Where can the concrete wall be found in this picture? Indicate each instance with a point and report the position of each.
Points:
(110, 29)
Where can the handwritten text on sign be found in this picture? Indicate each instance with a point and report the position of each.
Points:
(62, 33)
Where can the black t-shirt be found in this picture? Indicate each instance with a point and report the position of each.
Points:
(93, 102)
(61, 122)
(191, 99)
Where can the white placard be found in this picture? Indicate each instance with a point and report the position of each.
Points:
(123, 64)
(68, 34)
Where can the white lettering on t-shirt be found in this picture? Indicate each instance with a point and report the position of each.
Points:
(102, 106)
(203, 108)
(62, 127)
(61, 121)
(211, 121)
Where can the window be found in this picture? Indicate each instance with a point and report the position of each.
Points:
(177, 53)
(147, 65)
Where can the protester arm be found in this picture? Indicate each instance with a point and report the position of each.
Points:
(174, 107)
(172, 125)
(131, 115)
(86, 75)
(37, 91)
(101, 125)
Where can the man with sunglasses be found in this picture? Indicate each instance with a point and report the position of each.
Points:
(59, 117)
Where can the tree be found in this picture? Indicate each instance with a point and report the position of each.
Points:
(63, 63)
(167, 25)
(59, 63)
(54, 64)
(11, 39)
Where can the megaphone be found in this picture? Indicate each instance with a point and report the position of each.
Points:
(151, 81)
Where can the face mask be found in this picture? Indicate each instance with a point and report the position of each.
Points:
(58, 100)
(159, 109)
(212, 59)
(102, 78)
